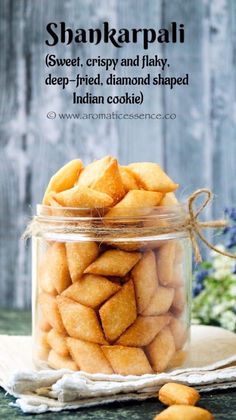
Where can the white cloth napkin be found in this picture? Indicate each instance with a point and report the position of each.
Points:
(212, 365)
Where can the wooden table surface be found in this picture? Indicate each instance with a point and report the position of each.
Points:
(222, 403)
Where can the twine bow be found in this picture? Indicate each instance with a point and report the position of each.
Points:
(195, 227)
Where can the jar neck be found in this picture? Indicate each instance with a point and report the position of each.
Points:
(95, 222)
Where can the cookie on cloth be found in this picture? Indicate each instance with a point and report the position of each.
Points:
(152, 177)
(127, 360)
(145, 280)
(143, 330)
(174, 393)
(79, 256)
(103, 175)
(184, 412)
(80, 321)
(56, 361)
(64, 178)
(91, 290)
(161, 350)
(88, 356)
(114, 262)
(119, 312)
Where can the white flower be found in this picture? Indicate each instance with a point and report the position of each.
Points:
(223, 261)
(228, 320)
(232, 289)
(222, 265)
(222, 273)
(219, 309)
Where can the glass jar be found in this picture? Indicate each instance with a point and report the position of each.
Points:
(111, 294)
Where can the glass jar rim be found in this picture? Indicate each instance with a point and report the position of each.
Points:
(173, 214)
(65, 222)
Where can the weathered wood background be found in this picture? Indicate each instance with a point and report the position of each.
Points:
(198, 148)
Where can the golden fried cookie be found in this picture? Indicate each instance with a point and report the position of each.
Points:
(42, 339)
(57, 342)
(42, 347)
(127, 360)
(178, 331)
(82, 197)
(42, 352)
(152, 177)
(80, 321)
(161, 350)
(58, 210)
(56, 361)
(174, 393)
(119, 312)
(145, 280)
(179, 252)
(178, 276)
(49, 307)
(184, 412)
(178, 359)
(44, 325)
(135, 203)
(103, 175)
(52, 202)
(114, 262)
(88, 356)
(42, 322)
(54, 273)
(143, 330)
(160, 301)
(91, 290)
(127, 246)
(169, 199)
(165, 263)
(179, 301)
(64, 179)
(79, 256)
(128, 179)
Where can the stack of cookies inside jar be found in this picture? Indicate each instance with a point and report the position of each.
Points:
(118, 306)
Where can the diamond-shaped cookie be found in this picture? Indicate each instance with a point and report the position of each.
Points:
(119, 312)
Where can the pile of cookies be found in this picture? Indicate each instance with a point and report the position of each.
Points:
(115, 307)
(181, 400)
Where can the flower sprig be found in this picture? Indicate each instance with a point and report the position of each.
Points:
(214, 286)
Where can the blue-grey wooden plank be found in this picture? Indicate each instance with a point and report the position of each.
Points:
(187, 138)
(141, 139)
(222, 18)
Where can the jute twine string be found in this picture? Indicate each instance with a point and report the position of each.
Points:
(194, 226)
(190, 224)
